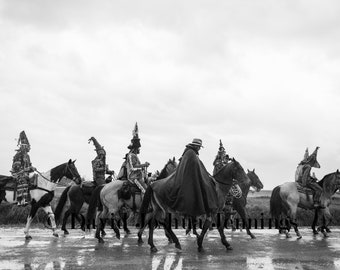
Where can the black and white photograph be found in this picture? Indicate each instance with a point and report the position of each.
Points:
(169, 134)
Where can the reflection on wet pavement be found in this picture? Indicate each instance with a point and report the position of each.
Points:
(268, 251)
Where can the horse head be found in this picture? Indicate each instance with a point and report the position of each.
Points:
(330, 182)
(168, 169)
(255, 181)
(232, 173)
(71, 172)
(238, 172)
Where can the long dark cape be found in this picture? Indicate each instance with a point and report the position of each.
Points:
(190, 190)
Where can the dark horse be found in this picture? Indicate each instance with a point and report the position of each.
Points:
(112, 197)
(223, 180)
(42, 192)
(239, 204)
(286, 198)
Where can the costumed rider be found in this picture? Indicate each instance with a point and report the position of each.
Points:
(21, 169)
(99, 166)
(221, 159)
(303, 174)
(190, 190)
(135, 170)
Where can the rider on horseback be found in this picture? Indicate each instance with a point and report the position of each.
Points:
(21, 168)
(99, 166)
(303, 175)
(221, 159)
(135, 171)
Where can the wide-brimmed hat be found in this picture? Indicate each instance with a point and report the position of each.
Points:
(196, 142)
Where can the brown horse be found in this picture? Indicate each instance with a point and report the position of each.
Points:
(286, 198)
(224, 181)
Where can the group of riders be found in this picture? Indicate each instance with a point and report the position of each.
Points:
(136, 172)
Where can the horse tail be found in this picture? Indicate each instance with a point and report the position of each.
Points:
(146, 200)
(277, 205)
(60, 205)
(94, 200)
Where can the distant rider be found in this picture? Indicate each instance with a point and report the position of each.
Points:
(99, 166)
(132, 169)
(303, 175)
(21, 168)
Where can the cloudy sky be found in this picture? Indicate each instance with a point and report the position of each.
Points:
(262, 76)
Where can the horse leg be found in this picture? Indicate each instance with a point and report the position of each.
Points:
(152, 224)
(221, 232)
(327, 220)
(244, 216)
(170, 233)
(293, 221)
(114, 225)
(125, 227)
(315, 220)
(189, 227)
(66, 215)
(34, 209)
(145, 219)
(200, 238)
(100, 217)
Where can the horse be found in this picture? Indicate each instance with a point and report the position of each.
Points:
(42, 192)
(224, 180)
(239, 203)
(113, 196)
(286, 198)
(77, 195)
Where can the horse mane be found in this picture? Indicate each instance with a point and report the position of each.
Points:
(164, 173)
(321, 182)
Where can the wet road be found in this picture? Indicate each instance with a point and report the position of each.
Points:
(81, 251)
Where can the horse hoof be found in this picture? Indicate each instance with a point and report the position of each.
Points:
(299, 237)
(200, 249)
(28, 237)
(100, 240)
(252, 236)
(66, 233)
(127, 232)
(178, 246)
(55, 235)
(288, 236)
(229, 248)
(118, 236)
(153, 249)
(325, 235)
(140, 242)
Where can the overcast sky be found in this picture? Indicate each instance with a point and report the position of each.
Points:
(262, 76)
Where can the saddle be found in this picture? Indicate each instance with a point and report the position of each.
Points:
(304, 190)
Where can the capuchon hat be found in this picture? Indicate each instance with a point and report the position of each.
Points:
(99, 149)
(23, 139)
(306, 155)
(196, 142)
(312, 159)
(135, 141)
(221, 149)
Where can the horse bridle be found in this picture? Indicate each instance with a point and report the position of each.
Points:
(68, 169)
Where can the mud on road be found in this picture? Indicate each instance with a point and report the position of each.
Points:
(80, 250)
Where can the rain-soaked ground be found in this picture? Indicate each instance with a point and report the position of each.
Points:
(81, 251)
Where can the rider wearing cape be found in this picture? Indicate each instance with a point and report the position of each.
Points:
(190, 190)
